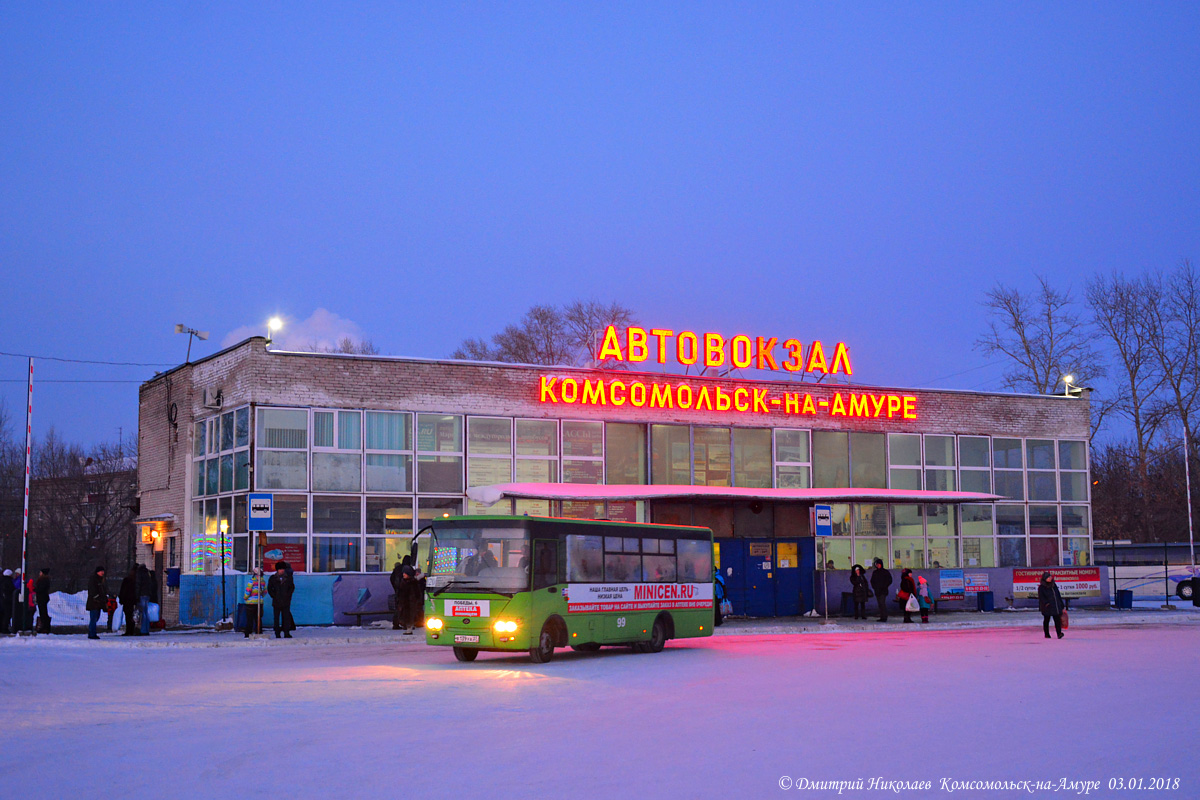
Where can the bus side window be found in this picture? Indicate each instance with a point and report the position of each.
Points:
(545, 562)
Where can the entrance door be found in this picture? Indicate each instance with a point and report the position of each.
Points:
(760, 578)
(545, 600)
(732, 563)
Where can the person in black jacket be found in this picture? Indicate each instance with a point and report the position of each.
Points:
(145, 590)
(127, 596)
(881, 581)
(1051, 604)
(397, 581)
(97, 599)
(908, 588)
(6, 600)
(41, 592)
(860, 587)
(281, 587)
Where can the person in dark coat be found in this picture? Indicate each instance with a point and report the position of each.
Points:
(145, 590)
(97, 599)
(1051, 604)
(281, 587)
(415, 584)
(6, 600)
(397, 581)
(908, 588)
(881, 582)
(861, 589)
(17, 611)
(41, 592)
(129, 599)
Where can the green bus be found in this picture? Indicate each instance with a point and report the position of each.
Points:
(512, 584)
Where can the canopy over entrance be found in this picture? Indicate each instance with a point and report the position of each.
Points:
(596, 492)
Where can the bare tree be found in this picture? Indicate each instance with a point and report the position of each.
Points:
(1170, 314)
(1042, 335)
(550, 335)
(363, 347)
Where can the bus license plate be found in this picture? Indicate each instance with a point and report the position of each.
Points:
(462, 637)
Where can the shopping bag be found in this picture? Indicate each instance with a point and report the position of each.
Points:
(1066, 617)
(912, 605)
(153, 610)
(726, 608)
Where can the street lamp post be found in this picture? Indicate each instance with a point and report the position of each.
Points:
(224, 607)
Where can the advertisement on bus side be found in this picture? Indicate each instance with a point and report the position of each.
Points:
(583, 597)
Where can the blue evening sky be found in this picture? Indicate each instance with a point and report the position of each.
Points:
(422, 173)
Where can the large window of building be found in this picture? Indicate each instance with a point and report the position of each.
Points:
(625, 453)
(1072, 465)
(939, 464)
(793, 459)
(583, 452)
(439, 454)
(868, 460)
(1041, 465)
(389, 451)
(752, 457)
(831, 459)
(1011, 538)
(537, 451)
(975, 464)
(389, 531)
(282, 449)
(489, 451)
(221, 453)
(978, 541)
(712, 456)
(670, 454)
(337, 451)
(1008, 467)
(904, 460)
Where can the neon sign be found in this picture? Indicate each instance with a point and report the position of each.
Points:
(713, 350)
(618, 392)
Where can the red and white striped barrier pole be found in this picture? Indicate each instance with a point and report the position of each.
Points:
(25, 518)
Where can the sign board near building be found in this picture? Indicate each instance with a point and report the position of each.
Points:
(950, 585)
(262, 511)
(1072, 581)
(824, 516)
(293, 554)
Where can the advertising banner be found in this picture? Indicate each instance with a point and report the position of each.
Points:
(1072, 581)
(951, 584)
(293, 554)
(468, 608)
(976, 582)
(638, 596)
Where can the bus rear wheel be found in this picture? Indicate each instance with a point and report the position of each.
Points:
(465, 653)
(658, 637)
(543, 651)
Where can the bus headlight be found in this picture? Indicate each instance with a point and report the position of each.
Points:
(434, 624)
(505, 626)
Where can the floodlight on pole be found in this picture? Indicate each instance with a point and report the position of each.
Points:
(273, 325)
(192, 334)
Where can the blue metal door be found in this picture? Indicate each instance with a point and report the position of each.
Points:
(759, 578)
(733, 569)
(789, 586)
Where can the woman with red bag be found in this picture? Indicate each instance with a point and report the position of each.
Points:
(1051, 604)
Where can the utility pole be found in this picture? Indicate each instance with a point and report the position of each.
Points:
(25, 516)
(1187, 479)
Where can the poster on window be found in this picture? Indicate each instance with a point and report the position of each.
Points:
(950, 583)
(582, 597)
(976, 582)
(293, 554)
(1072, 581)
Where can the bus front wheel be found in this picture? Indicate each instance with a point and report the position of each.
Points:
(465, 653)
(543, 651)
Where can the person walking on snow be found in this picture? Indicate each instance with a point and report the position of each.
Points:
(860, 587)
(145, 588)
(127, 596)
(923, 598)
(881, 582)
(397, 581)
(281, 587)
(908, 588)
(1051, 604)
(97, 599)
(256, 587)
(41, 592)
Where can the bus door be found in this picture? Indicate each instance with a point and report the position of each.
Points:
(731, 557)
(546, 598)
(760, 578)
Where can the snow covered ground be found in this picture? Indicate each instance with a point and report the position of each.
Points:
(370, 713)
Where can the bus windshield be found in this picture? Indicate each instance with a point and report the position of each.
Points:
(479, 560)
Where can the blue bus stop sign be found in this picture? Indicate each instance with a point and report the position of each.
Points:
(824, 520)
(262, 512)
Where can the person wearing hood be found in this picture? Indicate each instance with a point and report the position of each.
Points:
(908, 588)
(128, 598)
(397, 581)
(17, 611)
(923, 598)
(861, 589)
(41, 593)
(252, 599)
(6, 600)
(145, 590)
(281, 587)
(881, 581)
(97, 599)
(1051, 604)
